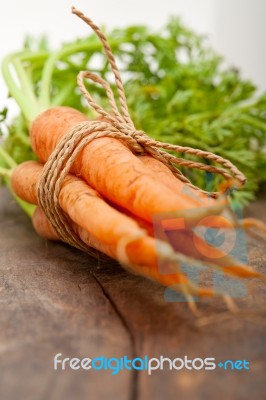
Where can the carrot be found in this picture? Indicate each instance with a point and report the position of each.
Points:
(148, 268)
(192, 245)
(101, 220)
(188, 242)
(147, 251)
(141, 222)
(102, 227)
(164, 175)
(249, 223)
(43, 226)
(111, 227)
(107, 165)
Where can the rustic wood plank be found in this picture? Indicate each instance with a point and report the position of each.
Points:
(56, 299)
(51, 303)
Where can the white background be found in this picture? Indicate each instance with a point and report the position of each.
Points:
(237, 28)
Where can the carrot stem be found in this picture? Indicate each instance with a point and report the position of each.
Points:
(7, 158)
(48, 70)
(4, 172)
(15, 91)
(24, 93)
(26, 84)
(63, 94)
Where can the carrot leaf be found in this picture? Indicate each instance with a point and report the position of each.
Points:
(178, 91)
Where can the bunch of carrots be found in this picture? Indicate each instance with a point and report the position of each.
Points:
(110, 198)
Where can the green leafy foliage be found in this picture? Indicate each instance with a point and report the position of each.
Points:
(177, 88)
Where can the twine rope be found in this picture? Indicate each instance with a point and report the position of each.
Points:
(115, 124)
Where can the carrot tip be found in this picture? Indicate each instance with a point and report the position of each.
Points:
(230, 303)
(124, 242)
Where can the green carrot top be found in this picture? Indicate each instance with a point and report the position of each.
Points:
(176, 88)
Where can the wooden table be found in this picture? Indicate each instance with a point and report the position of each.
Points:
(54, 299)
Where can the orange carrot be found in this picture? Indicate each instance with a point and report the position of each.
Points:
(96, 222)
(103, 221)
(109, 166)
(43, 226)
(188, 242)
(111, 227)
(164, 175)
(141, 222)
(144, 249)
(192, 245)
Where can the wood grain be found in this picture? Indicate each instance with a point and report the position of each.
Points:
(54, 299)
